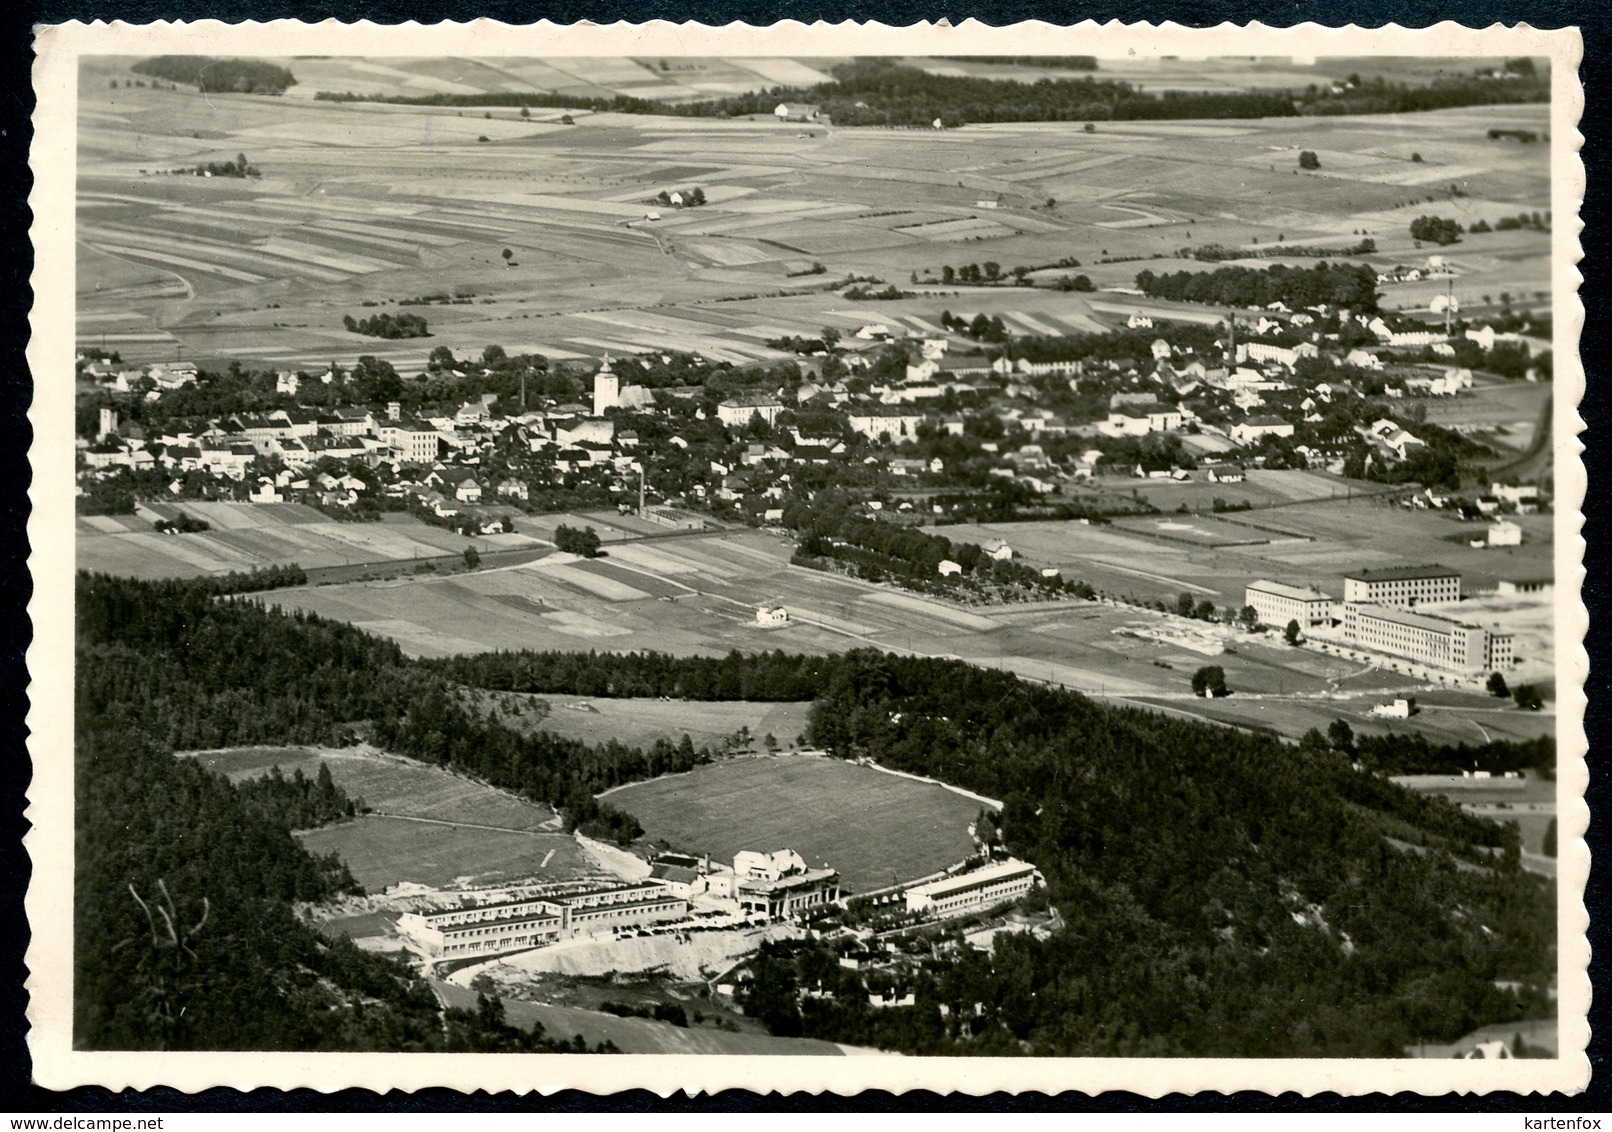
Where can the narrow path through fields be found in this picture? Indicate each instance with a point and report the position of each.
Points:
(456, 824)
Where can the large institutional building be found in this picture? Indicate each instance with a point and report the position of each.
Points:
(1277, 604)
(1402, 587)
(780, 886)
(1433, 641)
(509, 925)
(973, 892)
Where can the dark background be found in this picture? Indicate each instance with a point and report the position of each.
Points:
(17, 1092)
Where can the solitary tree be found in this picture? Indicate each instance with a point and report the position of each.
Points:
(472, 558)
(508, 254)
(1210, 681)
(525, 113)
(1292, 632)
(1249, 616)
(1341, 736)
(1184, 605)
(1497, 685)
(1549, 847)
(1308, 160)
(1527, 697)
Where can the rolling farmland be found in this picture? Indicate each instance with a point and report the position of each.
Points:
(875, 828)
(364, 202)
(250, 535)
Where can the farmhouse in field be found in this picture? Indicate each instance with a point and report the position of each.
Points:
(772, 616)
(795, 112)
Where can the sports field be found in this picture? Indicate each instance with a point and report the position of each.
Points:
(877, 829)
(426, 825)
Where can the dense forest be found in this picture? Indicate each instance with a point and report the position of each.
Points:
(1337, 285)
(1184, 856)
(227, 76)
(882, 92)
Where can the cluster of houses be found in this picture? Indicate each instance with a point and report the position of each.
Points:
(1233, 401)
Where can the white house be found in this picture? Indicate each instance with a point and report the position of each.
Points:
(772, 616)
(1253, 428)
(1505, 533)
(795, 112)
(948, 568)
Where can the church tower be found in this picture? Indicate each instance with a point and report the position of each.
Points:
(606, 389)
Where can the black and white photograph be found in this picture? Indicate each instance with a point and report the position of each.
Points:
(871, 556)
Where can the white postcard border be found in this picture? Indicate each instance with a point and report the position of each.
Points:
(50, 658)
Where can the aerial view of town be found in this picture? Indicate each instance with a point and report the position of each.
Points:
(939, 555)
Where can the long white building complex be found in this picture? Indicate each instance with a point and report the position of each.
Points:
(1433, 641)
(510, 925)
(975, 891)
(1403, 586)
(1277, 604)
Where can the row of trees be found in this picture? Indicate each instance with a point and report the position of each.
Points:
(1440, 230)
(883, 92)
(1337, 285)
(388, 325)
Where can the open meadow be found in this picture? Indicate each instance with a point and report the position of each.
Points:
(369, 203)
(640, 722)
(245, 536)
(426, 825)
(877, 829)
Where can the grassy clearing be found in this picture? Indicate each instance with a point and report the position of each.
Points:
(875, 828)
(427, 826)
(384, 851)
(639, 722)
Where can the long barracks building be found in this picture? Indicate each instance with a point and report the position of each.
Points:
(509, 925)
(973, 892)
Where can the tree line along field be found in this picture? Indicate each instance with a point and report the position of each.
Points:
(876, 829)
(267, 266)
